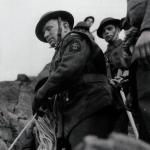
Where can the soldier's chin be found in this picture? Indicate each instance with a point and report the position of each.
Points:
(109, 39)
(53, 44)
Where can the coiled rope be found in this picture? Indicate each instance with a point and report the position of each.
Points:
(46, 133)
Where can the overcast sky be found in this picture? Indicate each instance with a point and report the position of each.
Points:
(21, 51)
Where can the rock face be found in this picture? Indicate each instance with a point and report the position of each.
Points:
(23, 78)
(15, 107)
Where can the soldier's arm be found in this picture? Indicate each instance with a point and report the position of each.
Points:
(75, 54)
(142, 47)
(146, 20)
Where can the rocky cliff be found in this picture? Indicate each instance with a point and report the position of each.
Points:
(15, 107)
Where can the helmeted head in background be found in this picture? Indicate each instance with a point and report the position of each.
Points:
(109, 29)
(89, 20)
(53, 26)
(81, 25)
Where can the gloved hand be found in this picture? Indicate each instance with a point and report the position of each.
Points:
(38, 101)
(142, 48)
(40, 104)
(116, 81)
(35, 105)
(129, 101)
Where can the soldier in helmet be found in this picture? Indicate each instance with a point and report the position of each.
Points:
(83, 27)
(77, 78)
(137, 25)
(89, 21)
(117, 67)
(109, 30)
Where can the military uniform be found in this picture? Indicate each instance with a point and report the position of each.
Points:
(138, 15)
(79, 68)
(83, 27)
(114, 55)
(78, 79)
(116, 64)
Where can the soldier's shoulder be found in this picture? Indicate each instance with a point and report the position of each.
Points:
(73, 35)
(70, 37)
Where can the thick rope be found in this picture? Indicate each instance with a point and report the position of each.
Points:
(46, 133)
(129, 114)
(22, 131)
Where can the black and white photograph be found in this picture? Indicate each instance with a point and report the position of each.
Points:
(75, 75)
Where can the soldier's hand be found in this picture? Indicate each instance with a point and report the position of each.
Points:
(116, 81)
(129, 101)
(37, 102)
(38, 107)
(142, 48)
(35, 106)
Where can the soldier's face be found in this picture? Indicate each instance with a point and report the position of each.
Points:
(110, 33)
(50, 32)
(89, 22)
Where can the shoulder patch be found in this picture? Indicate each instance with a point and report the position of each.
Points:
(75, 46)
(69, 38)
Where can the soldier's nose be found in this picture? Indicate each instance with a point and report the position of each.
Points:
(46, 34)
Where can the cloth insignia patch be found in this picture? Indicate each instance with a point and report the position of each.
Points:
(75, 46)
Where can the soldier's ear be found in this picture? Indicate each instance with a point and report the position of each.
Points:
(66, 25)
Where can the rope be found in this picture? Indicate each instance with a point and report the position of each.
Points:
(94, 31)
(46, 131)
(22, 131)
(129, 114)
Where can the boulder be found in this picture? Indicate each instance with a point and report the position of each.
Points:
(23, 78)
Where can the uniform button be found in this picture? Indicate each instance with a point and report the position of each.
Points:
(67, 99)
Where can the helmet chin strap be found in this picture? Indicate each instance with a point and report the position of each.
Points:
(58, 34)
(59, 31)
